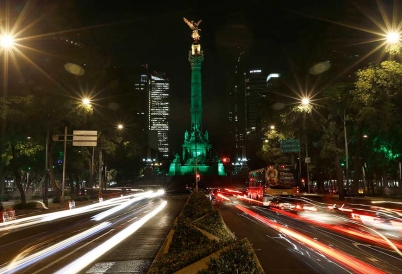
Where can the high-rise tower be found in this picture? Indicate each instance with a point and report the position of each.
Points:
(158, 111)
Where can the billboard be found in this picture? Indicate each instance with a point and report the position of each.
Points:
(280, 176)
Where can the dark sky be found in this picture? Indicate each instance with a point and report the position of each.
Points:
(153, 32)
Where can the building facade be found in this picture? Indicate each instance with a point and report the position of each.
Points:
(255, 93)
(158, 111)
(153, 108)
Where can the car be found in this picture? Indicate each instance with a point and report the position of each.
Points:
(286, 203)
(266, 199)
(384, 220)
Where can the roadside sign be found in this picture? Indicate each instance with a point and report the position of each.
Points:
(85, 138)
(290, 146)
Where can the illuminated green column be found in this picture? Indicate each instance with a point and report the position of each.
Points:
(196, 57)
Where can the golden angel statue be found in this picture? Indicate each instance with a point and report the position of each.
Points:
(194, 26)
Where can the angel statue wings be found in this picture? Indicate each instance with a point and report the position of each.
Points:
(194, 26)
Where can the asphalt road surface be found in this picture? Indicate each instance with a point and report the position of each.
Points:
(297, 243)
(126, 240)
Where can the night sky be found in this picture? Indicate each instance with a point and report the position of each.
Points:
(153, 32)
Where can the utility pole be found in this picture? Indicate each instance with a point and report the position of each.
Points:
(45, 199)
(64, 165)
(91, 183)
(346, 153)
(100, 165)
(307, 161)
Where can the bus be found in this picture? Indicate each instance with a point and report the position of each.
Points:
(264, 183)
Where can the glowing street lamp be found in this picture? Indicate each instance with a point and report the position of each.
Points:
(100, 166)
(305, 101)
(86, 101)
(6, 41)
(272, 127)
(393, 37)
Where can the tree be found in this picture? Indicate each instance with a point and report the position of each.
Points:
(377, 101)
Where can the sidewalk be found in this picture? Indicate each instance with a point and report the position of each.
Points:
(41, 208)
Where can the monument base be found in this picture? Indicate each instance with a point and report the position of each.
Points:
(176, 169)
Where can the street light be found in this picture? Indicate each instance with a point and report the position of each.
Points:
(6, 44)
(347, 151)
(305, 106)
(100, 165)
(305, 101)
(393, 37)
(6, 41)
(86, 101)
(62, 199)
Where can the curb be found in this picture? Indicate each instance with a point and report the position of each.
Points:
(166, 244)
(200, 264)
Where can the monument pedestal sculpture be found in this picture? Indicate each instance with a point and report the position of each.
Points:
(196, 156)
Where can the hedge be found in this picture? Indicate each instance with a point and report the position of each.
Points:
(190, 245)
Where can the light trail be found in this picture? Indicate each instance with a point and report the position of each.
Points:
(109, 212)
(33, 220)
(20, 264)
(90, 257)
(381, 240)
(342, 258)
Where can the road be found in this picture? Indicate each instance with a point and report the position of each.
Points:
(297, 243)
(126, 240)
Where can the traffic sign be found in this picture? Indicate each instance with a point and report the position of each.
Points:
(290, 146)
(85, 138)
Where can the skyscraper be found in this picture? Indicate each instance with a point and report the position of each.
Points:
(153, 108)
(236, 112)
(158, 111)
(255, 92)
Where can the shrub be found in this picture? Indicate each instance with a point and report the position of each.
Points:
(214, 224)
(238, 258)
(5, 197)
(197, 206)
(25, 205)
(188, 246)
(81, 198)
(56, 199)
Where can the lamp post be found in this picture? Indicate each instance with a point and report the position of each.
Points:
(306, 105)
(346, 152)
(86, 102)
(100, 164)
(6, 45)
